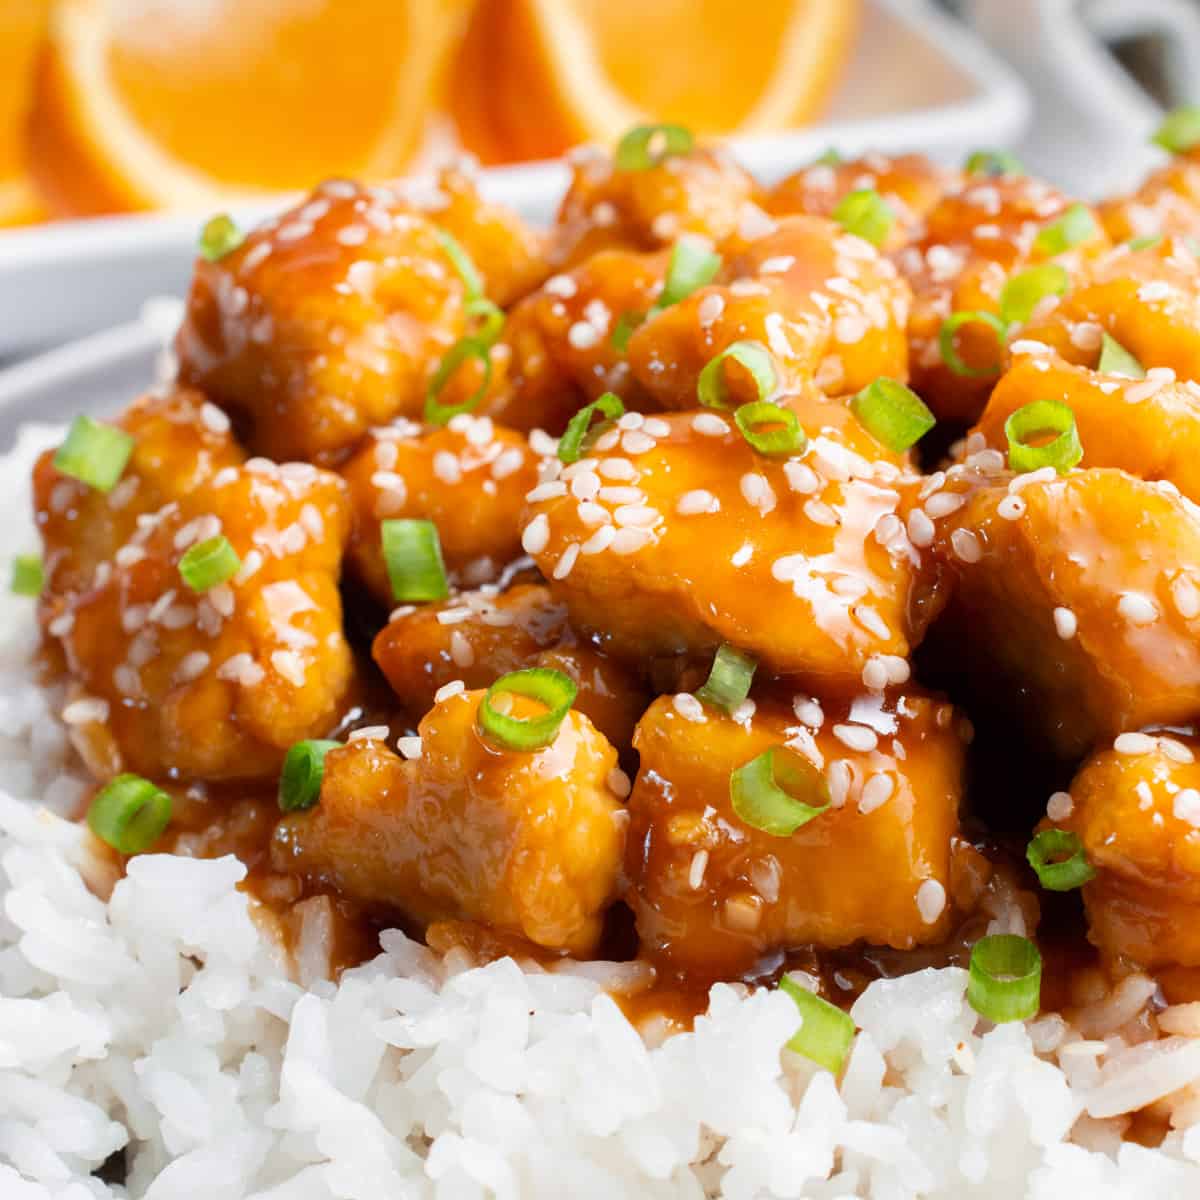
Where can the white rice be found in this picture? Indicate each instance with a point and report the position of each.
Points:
(166, 1023)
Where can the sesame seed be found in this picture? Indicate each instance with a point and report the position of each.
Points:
(537, 535)
(875, 674)
(1011, 508)
(585, 485)
(920, 528)
(446, 467)
(447, 690)
(213, 419)
(931, 901)
(631, 420)
(1143, 390)
(698, 501)
(1186, 597)
(620, 469)
(562, 568)
(509, 462)
(741, 556)
(86, 711)
(290, 665)
(639, 515)
(1065, 623)
(1156, 289)
(61, 625)
(1186, 806)
(629, 540)
(1137, 609)
(369, 733)
(583, 335)
(819, 513)
(192, 666)
(656, 427)
(856, 737)
(592, 514)
(551, 490)
(743, 912)
(942, 504)
(699, 865)
(637, 442)
(801, 478)
(876, 792)
(1060, 806)
(839, 777)
(460, 650)
(688, 707)
(757, 492)
(1134, 744)
(808, 711)
(1030, 478)
(621, 495)
(710, 425)
(1176, 750)
(618, 782)
(871, 621)
(966, 546)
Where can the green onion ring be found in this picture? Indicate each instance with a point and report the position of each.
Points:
(830, 158)
(27, 579)
(1180, 130)
(761, 802)
(711, 388)
(994, 163)
(94, 453)
(729, 678)
(303, 771)
(463, 265)
(412, 553)
(1024, 291)
(1043, 416)
(826, 1034)
(1058, 857)
(491, 318)
(645, 146)
(129, 813)
(1076, 225)
(787, 438)
(209, 563)
(552, 688)
(950, 356)
(219, 237)
(466, 348)
(1146, 242)
(693, 264)
(892, 413)
(626, 326)
(570, 445)
(1116, 360)
(1005, 979)
(866, 214)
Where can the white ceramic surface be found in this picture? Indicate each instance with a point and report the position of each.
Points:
(919, 80)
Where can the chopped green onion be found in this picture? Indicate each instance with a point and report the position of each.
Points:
(303, 770)
(129, 813)
(893, 413)
(1116, 360)
(693, 264)
(1058, 858)
(219, 237)
(826, 1034)
(831, 158)
(646, 146)
(867, 214)
(777, 792)
(94, 454)
(412, 553)
(570, 445)
(1040, 418)
(728, 682)
(27, 575)
(1075, 225)
(626, 326)
(994, 163)
(770, 428)
(464, 268)
(1145, 242)
(1025, 290)
(491, 320)
(208, 563)
(463, 351)
(1005, 981)
(551, 688)
(711, 388)
(950, 355)
(1180, 129)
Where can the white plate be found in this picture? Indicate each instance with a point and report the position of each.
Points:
(919, 80)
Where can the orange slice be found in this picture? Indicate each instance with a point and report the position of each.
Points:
(534, 77)
(22, 24)
(166, 104)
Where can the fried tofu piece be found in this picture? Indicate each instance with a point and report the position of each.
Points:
(469, 478)
(703, 192)
(674, 535)
(561, 338)
(1078, 606)
(1135, 806)
(1148, 428)
(713, 895)
(824, 302)
(180, 442)
(324, 322)
(910, 185)
(217, 685)
(1148, 299)
(1167, 202)
(528, 842)
(976, 238)
(479, 636)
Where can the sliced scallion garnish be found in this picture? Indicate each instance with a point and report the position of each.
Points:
(645, 146)
(1024, 291)
(303, 770)
(627, 324)
(693, 264)
(465, 350)
(866, 214)
(826, 1033)
(412, 553)
(1076, 225)
(464, 267)
(777, 792)
(950, 355)
(548, 687)
(490, 317)
(770, 428)
(729, 678)
(994, 163)
(1180, 129)
(219, 237)
(754, 358)
(1146, 242)
(830, 158)
(1116, 360)
(1005, 979)
(1040, 420)
(1058, 858)
(129, 813)
(208, 563)
(893, 414)
(94, 453)
(27, 575)
(570, 445)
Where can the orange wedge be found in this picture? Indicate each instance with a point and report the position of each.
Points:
(157, 103)
(534, 77)
(22, 23)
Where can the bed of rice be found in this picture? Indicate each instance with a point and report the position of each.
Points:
(165, 1024)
